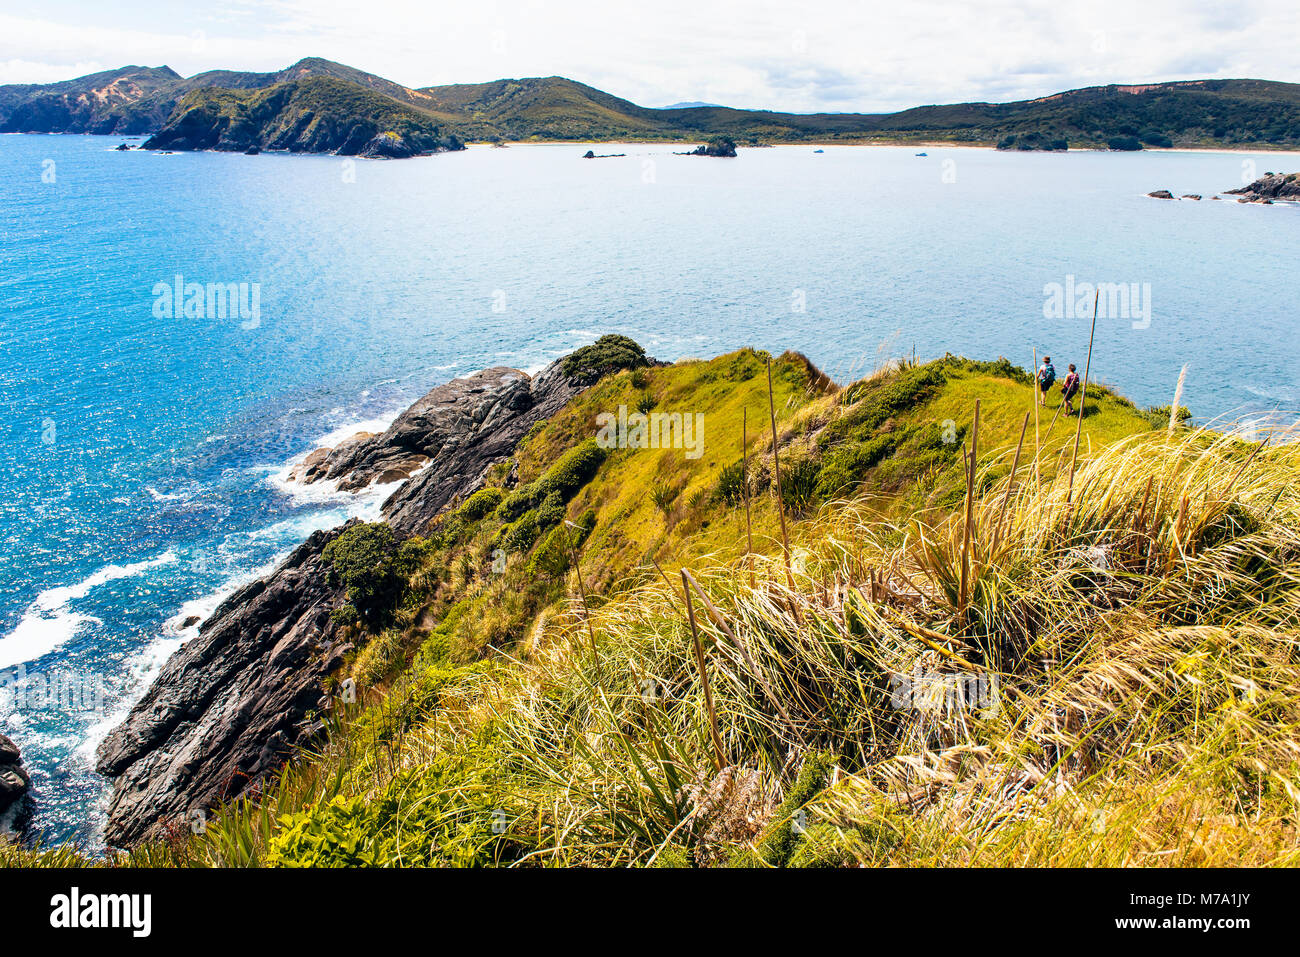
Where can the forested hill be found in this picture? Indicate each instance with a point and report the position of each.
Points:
(1203, 113)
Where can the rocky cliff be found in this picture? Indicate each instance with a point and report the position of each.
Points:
(230, 706)
(13, 779)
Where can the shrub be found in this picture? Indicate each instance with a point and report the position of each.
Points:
(844, 467)
(522, 534)
(574, 470)
(480, 504)
(374, 567)
(608, 354)
(551, 511)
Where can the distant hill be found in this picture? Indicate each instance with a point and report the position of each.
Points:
(315, 114)
(136, 99)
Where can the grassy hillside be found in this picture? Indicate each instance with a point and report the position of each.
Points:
(533, 686)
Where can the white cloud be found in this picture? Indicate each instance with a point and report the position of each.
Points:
(777, 54)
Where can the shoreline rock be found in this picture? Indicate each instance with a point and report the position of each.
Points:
(1269, 188)
(14, 779)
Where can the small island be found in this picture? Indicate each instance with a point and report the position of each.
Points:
(1270, 187)
(718, 146)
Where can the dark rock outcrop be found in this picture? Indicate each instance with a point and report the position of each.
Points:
(1161, 194)
(230, 706)
(13, 779)
(719, 146)
(1269, 188)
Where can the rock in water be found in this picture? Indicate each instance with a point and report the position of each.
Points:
(1161, 194)
(13, 779)
(1269, 187)
(230, 706)
(719, 146)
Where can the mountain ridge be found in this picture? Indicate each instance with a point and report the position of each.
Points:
(1204, 113)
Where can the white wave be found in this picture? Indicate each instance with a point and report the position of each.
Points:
(345, 432)
(48, 623)
(36, 635)
(55, 598)
(158, 496)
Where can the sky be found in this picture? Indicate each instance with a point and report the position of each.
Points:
(816, 55)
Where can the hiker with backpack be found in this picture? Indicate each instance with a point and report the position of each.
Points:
(1046, 377)
(1068, 389)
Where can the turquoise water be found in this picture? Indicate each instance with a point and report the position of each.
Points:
(143, 452)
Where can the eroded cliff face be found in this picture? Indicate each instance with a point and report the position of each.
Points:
(230, 706)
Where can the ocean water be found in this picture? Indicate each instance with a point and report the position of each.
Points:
(144, 453)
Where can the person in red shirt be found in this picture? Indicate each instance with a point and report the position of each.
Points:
(1068, 388)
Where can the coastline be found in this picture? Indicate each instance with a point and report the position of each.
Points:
(622, 141)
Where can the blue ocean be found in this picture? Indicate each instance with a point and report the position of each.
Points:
(145, 445)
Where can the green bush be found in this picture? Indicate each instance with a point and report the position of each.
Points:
(845, 467)
(522, 534)
(551, 511)
(480, 504)
(608, 354)
(374, 567)
(574, 469)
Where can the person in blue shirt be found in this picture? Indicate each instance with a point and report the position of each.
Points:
(1046, 377)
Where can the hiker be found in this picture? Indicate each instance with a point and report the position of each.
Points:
(1046, 377)
(1068, 389)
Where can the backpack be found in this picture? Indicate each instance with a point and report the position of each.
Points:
(1049, 376)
